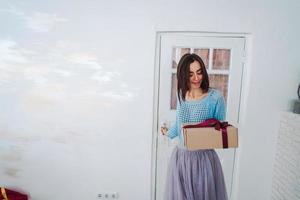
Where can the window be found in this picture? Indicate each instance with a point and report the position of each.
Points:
(217, 66)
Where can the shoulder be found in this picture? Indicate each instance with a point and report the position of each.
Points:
(215, 94)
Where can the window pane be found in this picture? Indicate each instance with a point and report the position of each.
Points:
(221, 59)
(204, 54)
(177, 53)
(173, 92)
(219, 82)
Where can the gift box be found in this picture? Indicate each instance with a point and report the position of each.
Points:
(7, 194)
(210, 134)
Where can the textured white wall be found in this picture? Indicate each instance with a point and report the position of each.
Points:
(76, 87)
(286, 170)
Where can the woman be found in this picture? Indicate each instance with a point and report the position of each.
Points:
(194, 175)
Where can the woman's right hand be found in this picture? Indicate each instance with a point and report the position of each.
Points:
(164, 129)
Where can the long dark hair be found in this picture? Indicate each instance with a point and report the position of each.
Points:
(183, 75)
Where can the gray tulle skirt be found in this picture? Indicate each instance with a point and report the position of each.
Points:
(195, 175)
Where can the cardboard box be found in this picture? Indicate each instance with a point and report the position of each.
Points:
(210, 138)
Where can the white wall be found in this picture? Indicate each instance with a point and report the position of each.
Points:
(76, 87)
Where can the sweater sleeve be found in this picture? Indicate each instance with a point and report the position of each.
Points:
(220, 109)
(173, 131)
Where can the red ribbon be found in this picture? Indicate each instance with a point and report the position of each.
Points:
(7, 194)
(217, 125)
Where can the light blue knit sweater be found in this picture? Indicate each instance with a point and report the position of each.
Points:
(192, 111)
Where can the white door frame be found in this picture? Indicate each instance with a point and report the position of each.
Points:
(241, 113)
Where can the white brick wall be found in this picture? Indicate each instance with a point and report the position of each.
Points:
(286, 171)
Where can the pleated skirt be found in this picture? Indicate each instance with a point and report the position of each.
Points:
(195, 175)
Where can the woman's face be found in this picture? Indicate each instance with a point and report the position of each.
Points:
(195, 75)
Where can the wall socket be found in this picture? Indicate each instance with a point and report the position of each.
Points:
(108, 195)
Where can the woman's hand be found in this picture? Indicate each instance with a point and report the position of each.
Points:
(164, 129)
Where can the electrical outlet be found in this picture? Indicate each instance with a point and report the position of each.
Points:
(114, 195)
(100, 196)
(103, 195)
(108, 195)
